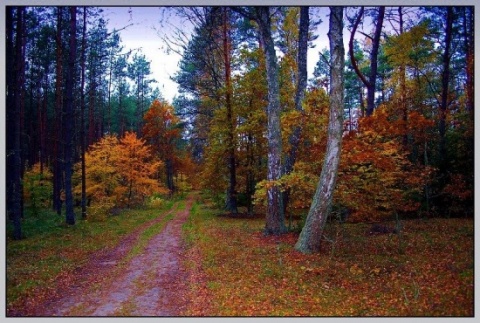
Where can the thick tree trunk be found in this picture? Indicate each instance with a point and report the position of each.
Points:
(57, 148)
(91, 111)
(310, 237)
(275, 219)
(470, 56)
(10, 110)
(170, 173)
(82, 117)
(403, 87)
(69, 118)
(299, 96)
(231, 201)
(374, 62)
(445, 92)
(15, 162)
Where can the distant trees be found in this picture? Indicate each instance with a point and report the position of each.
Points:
(62, 68)
(162, 131)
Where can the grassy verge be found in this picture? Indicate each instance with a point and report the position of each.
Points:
(52, 248)
(426, 271)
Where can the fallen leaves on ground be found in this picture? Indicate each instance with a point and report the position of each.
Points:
(425, 271)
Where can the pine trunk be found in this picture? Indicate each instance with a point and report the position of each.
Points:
(231, 201)
(82, 117)
(275, 222)
(310, 237)
(69, 118)
(15, 162)
(57, 148)
(294, 138)
(372, 83)
(10, 110)
(470, 57)
(445, 92)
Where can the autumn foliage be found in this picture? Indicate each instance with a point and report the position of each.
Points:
(161, 130)
(120, 172)
(377, 180)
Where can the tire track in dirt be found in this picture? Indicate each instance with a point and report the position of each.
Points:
(152, 283)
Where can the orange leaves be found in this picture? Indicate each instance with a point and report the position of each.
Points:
(120, 172)
(161, 127)
(137, 168)
(376, 178)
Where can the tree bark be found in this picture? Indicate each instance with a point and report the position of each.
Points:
(69, 118)
(403, 87)
(10, 109)
(294, 139)
(275, 219)
(445, 91)
(57, 148)
(374, 62)
(469, 40)
(82, 117)
(231, 201)
(15, 99)
(310, 237)
(370, 84)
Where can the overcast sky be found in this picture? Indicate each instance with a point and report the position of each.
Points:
(144, 33)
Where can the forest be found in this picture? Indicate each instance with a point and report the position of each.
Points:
(381, 133)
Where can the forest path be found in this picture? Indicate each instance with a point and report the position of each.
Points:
(152, 282)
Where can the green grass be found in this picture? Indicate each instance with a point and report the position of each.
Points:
(51, 248)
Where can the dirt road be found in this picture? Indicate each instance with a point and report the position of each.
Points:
(151, 283)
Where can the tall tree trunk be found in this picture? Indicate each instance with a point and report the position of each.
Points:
(14, 97)
(231, 201)
(275, 218)
(57, 148)
(250, 183)
(445, 91)
(470, 55)
(91, 111)
(310, 237)
(169, 170)
(374, 62)
(69, 117)
(82, 117)
(44, 118)
(10, 109)
(121, 118)
(403, 87)
(109, 122)
(370, 84)
(294, 138)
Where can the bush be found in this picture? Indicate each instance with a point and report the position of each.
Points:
(155, 202)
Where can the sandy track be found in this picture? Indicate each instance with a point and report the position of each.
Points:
(152, 283)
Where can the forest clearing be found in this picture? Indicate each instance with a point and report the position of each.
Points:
(264, 185)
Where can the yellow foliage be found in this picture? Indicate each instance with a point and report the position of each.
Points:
(119, 173)
(37, 186)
